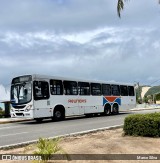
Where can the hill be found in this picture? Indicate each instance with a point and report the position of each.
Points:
(144, 91)
(153, 90)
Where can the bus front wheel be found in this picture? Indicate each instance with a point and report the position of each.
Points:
(58, 115)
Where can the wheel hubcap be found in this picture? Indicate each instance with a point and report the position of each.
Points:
(58, 114)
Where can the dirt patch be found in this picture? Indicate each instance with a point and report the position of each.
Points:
(102, 142)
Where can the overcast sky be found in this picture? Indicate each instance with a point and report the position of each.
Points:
(80, 39)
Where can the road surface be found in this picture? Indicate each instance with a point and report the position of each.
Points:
(21, 132)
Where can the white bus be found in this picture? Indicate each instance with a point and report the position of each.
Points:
(40, 96)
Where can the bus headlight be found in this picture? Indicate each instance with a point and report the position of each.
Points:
(28, 108)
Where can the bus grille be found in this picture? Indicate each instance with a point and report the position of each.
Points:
(19, 114)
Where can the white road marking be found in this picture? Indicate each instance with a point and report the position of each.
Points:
(9, 127)
(13, 134)
(64, 135)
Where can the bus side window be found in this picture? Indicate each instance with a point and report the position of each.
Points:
(106, 89)
(131, 90)
(56, 87)
(124, 90)
(41, 90)
(96, 89)
(115, 90)
(83, 88)
(70, 87)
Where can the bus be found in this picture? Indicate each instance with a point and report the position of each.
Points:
(41, 96)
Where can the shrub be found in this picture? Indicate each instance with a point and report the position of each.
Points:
(142, 125)
(47, 147)
(2, 113)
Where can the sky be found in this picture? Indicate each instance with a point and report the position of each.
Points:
(81, 39)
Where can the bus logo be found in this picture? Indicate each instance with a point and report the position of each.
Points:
(77, 101)
(111, 100)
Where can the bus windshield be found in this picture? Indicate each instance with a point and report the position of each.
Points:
(21, 93)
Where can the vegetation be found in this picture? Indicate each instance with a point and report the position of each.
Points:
(138, 95)
(158, 97)
(153, 90)
(120, 6)
(146, 99)
(1, 113)
(47, 147)
(142, 125)
(153, 94)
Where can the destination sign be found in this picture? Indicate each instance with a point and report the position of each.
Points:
(22, 79)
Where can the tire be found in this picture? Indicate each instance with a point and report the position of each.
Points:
(107, 110)
(58, 115)
(115, 109)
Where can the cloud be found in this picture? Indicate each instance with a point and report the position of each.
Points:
(109, 54)
(70, 15)
(82, 38)
(4, 93)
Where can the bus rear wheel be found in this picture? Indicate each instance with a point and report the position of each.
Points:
(115, 109)
(107, 110)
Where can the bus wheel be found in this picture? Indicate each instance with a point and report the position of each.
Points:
(58, 115)
(107, 110)
(115, 109)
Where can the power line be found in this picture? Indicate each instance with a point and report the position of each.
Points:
(154, 82)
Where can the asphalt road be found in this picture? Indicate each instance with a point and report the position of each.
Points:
(22, 132)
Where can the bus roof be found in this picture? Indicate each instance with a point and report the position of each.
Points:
(39, 76)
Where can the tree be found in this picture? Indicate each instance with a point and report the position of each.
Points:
(120, 6)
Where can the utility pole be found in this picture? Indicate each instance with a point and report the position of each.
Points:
(139, 92)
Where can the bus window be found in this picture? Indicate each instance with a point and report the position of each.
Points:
(124, 90)
(41, 90)
(70, 88)
(106, 89)
(83, 88)
(115, 90)
(56, 87)
(131, 90)
(95, 89)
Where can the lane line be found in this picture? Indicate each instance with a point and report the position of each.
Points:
(9, 127)
(13, 134)
(62, 136)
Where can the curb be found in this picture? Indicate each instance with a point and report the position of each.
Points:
(139, 109)
(61, 136)
(21, 120)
